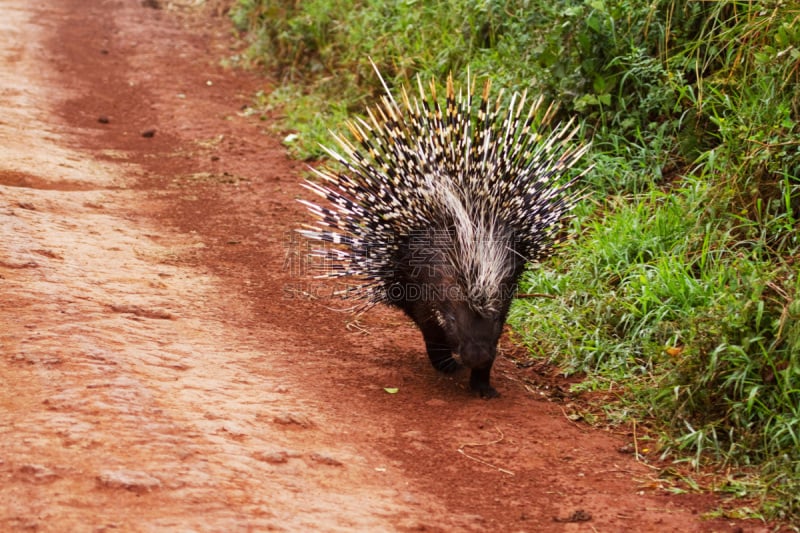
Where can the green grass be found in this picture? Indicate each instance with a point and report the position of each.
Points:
(681, 287)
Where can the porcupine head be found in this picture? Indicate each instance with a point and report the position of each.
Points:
(438, 209)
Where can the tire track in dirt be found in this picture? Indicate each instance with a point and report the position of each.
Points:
(159, 370)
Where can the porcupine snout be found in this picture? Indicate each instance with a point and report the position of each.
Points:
(475, 353)
(476, 339)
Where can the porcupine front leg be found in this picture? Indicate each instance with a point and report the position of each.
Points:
(439, 351)
(479, 382)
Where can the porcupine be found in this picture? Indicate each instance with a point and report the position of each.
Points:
(437, 211)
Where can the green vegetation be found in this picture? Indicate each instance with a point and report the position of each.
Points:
(681, 287)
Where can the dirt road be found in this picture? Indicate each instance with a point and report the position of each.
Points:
(160, 368)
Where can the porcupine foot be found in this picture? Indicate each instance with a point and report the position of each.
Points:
(479, 382)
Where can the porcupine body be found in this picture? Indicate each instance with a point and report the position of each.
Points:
(437, 210)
